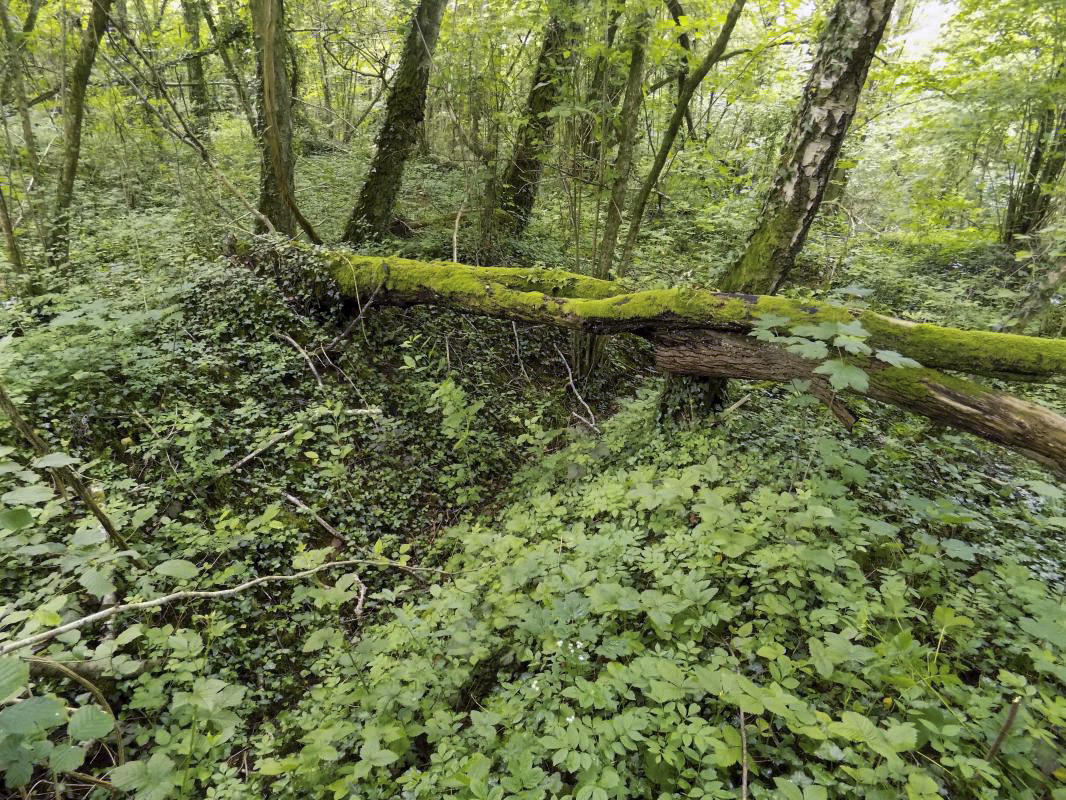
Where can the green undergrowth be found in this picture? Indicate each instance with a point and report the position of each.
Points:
(673, 613)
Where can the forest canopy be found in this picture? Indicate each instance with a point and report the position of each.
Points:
(533, 400)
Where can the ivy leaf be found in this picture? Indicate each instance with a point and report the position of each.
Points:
(844, 376)
(894, 359)
(178, 568)
(29, 495)
(14, 674)
(89, 722)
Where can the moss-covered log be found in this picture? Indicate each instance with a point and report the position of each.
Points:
(701, 332)
(581, 303)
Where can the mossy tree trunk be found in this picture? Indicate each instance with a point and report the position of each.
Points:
(689, 83)
(626, 127)
(852, 32)
(702, 333)
(194, 67)
(587, 349)
(518, 192)
(77, 83)
(603, 90)
(404, 113)
(15, 74)
(677, 12)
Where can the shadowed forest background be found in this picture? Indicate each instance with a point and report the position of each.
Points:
(600, 399)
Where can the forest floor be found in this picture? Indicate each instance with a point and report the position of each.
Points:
(868, 603)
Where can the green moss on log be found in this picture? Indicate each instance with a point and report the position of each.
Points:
(583, 303)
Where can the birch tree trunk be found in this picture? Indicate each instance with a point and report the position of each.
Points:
(852, 32)
(405, 110)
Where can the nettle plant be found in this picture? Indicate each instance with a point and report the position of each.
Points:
(841, 347)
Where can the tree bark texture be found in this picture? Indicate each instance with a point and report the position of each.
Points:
(232, 73)
(627, 135)
(700, 332)
(194, 67)
(77, 83)
(405, 111)
(853, 30)
(1029, 204)
(277, 189)
(533, 143)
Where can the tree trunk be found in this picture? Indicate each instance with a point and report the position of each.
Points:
(195, 68)
(699, 332)
(15, 73)
(677, 11)
(1029, 204)
(73, 115)
(688, 88)
(533, 143)
(627, 137)
(229, 67)
(277, 201)
(14, 255)
(602, 94)
(405, 110)
(587, 349)
(852, 32)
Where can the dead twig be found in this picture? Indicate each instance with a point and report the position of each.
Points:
(1008, 723)
(173, 597)
(591, 421)
(302, 352)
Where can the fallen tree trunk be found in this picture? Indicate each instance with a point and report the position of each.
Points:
(701, 332)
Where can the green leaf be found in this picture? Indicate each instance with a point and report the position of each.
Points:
(178, 568)
(65, 757)
(29, 495)
(55, 460)
(902, 737)
(1046, 489)
(30, 716)
(14, 519)
(826, 330)
(844, 376)
(813, 350)
(96, 582)
(153, 779)
(853, 344)
(14, 674)
(894, 359)
(89, 722)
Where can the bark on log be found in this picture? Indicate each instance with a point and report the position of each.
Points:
(701, 332)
